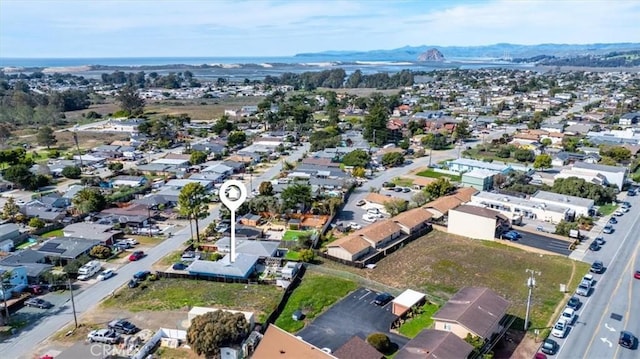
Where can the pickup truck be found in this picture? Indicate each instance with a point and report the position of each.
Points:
(107, 336)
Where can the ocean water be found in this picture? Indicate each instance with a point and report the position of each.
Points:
(235, 68)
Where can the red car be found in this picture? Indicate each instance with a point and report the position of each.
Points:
(136, 255)
(636, 274)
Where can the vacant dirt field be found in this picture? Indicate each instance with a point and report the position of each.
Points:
(200, 109)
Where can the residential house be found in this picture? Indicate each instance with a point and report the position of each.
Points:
(53, 200)
(216, 149)
(477, 311)
(350, 248)
(380, 233)
(487, 223)
(435, 344)
(219, 168)
(178, 184)
(440, 207)
(9, 231)
(15, 283)
(238, 167)
(413, 220)
(564, 158)
(251, 219)
(357, 348)
(242, 268)
(596, 173)
(131, 181)
(66, 249)
(33, 261)
(136, 215)
(277, 343)
(45, 213)
(100, 232)
(360, 243)
(177, 163)
(262, 249)
(466, 164)
(629, 119)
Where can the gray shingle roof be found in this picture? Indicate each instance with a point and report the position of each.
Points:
(241, 268)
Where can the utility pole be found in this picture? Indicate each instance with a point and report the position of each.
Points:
(73, 304)
(531, 282)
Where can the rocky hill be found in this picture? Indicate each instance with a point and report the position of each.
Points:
(431, 55)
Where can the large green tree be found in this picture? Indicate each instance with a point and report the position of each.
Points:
(197, 157)
(89, 200)
(375, 124)
(46, 137)
(236, 138)
(462, 131)
(130, 101)
(438, 188)
(296, 195)
(542, 162)
(193, 204)
(435, 141)
(266, 188)
(392, 159)
(73, 172)
(356, 158)
(213, 330)
(10, 209)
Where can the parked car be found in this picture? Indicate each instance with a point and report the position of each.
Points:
(560, 329)
(133, 283)
(406, 190)
(584, 288)
(369, 218)
(38, 303)
(361, 202)
(600, 240)
(35, 289)
(106, 274)
(594, 246)
(618, 213)
(613, 220)
(355, 226)
(624, 209)
(179, 266)
(137, 255)
(608, 229)
(123, 326)
(122, 245)
(636, 274)
(511, 235)
(189, 256)
(627, 340)
(574, 303)
(106, 336)
(141, 275)
(597, 267)
(131, 241)
(569, 315)
(397, 189)
(382, 299)
(549, 346)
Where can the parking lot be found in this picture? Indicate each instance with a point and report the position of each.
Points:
(355, 314)
(540, 241)
(354, 213)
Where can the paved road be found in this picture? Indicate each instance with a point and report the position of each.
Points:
(595, 334)
(20, 346)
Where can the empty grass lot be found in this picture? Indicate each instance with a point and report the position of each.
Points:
(433, 174)
(316, 293)
(292, 235)
(607, 209)
(440, 264)
(413, 326)
(172, 294)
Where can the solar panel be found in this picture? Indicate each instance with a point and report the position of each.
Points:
(51, 247)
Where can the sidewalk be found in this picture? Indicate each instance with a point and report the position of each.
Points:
(581, 250)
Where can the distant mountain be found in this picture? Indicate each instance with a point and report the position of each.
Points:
(497, 51)
(431, 55)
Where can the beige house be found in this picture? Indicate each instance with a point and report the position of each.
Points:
(440, 207)
(276, 343)
(359, 243)
(412, 220)
(473, 310)
(475, 222)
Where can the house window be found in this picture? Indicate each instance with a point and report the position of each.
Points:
(447, 326)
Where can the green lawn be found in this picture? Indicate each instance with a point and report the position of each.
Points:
(414, 326)
(292, 255)
(607, 209)
(54, 233)
(403, 182)
(171, 258)
(174, 294)
(433, 174)
(292, 235)
(316, 293)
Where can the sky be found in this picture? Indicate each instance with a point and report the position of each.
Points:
(221, 28)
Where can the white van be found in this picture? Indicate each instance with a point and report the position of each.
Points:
(89, 270)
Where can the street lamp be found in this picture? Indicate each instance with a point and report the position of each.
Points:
(531, 282)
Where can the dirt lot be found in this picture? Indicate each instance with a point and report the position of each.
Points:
(201, 109)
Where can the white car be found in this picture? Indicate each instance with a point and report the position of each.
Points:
(106, 274)
(568, 315)
(560, 329)
(369, 218)
(130, 241)
(355, 226)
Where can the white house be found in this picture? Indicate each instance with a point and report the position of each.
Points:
(595, 173)
(516, 208)
(580, 206)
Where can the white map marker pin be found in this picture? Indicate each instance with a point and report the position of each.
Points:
(232, 194)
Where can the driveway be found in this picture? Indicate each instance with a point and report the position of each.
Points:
(355, 314)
